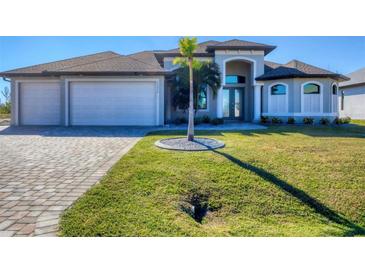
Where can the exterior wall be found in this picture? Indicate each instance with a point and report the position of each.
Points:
(295, 98)
(65, 81)
(255, 60)
(354, 104)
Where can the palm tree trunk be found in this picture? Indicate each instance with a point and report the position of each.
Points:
(191, 103)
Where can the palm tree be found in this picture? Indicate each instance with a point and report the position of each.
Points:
(205, 74)
(190, 78)
(187, 48)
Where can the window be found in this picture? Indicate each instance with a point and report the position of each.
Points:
(278, 89)
(312, 89)
(235, 79)
(202, 98)
(342, 100)
(334, 90)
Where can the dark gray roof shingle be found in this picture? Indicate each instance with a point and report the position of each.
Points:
(297, 69)
(236, 44)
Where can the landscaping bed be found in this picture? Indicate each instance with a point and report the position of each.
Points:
(283, 181)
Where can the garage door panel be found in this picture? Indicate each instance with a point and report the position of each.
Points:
(114, 103)
(40, 103)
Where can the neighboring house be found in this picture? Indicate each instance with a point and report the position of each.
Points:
(112, 89)
(352, 99)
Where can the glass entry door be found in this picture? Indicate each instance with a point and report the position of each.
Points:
(232, 103)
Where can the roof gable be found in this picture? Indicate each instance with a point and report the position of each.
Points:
(357, 77)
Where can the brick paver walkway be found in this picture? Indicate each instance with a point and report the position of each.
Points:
(44, 170)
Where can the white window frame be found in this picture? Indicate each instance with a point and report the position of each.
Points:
(321, 91)
(334, 98)
(286, 97)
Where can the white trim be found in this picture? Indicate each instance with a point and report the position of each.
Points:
(153, 80)
(239, 58)
(18, 89)
(286, 95)
(334, 98)
(320, 93)
(230, 52)
(257, 103)
(67, 103)
(295, 114)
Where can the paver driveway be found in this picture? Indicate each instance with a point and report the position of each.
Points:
(44, 170)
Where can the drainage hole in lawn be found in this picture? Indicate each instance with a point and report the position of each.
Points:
(196, 205)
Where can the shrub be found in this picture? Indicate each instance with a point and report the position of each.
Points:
(341, 121)
(180, 120)
(291, 121)
(198, 120)
(206, 119)
(264, 119)
(324, 121)
(346, 120)
(5, 108)
(217, 121)
(308, 120)
(276, 120)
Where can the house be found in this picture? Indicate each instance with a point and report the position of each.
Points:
(112, 89)
(352, 99)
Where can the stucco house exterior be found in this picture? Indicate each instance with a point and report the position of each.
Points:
(352, 95)
(112, 89)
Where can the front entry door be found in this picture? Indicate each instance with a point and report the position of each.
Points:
(233, 103)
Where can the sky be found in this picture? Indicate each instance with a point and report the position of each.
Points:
(338, 54)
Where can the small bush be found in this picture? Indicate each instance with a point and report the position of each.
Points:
(308, 120)
(291, 121)
(217, 121)
(198, 120)
(324, 121)
(5, 108)
(264, 119)
(206, 119)
(276, 120)
(180, 120)
(341, 121)
(347, 120)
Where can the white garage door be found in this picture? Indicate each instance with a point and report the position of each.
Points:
(40, 103)
(113, 103)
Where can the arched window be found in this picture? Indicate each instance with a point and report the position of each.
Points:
(334, 90)
(278, 89)
(311, 88)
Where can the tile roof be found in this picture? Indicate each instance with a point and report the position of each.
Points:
(201, 48)
(297, 69)
(356, 78)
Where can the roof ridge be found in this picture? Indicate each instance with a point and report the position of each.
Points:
(66, 59)
(133, 58)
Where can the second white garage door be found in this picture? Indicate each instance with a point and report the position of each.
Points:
(113, 103)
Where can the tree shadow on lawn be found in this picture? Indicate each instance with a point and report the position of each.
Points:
(298, 194)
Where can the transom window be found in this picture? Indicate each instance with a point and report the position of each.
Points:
(334, 90)
(312, 89)
(235, 79)
(202, 98)
(278, 89)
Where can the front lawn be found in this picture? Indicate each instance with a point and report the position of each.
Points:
(283, 181)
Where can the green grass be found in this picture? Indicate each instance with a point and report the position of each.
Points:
(358, 122)
(283, 181)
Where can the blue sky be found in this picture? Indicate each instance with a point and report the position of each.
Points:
(338, 54)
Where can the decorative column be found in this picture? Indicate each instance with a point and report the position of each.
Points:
(220, 103)
(257, 103)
